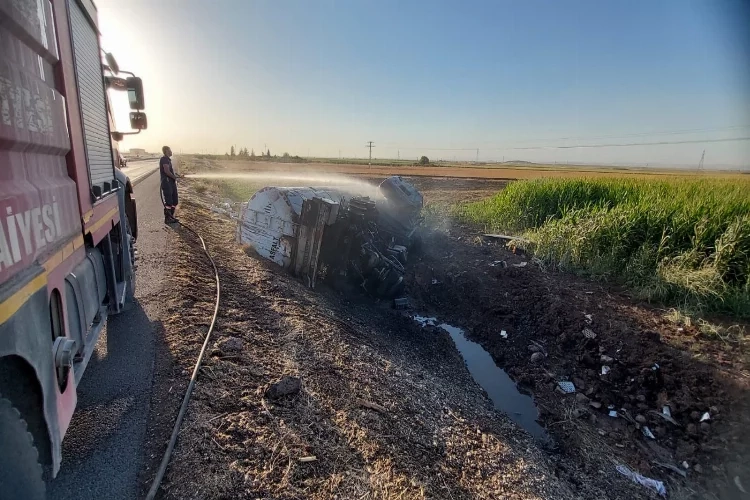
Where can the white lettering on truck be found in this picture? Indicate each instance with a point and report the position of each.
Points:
(36, 227)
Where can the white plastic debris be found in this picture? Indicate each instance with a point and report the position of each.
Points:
(605, 369)
(739, 485)
(588, 333)
(652, 484)
(666, 411)
(589, 318)
(435, 282)
(522, 264)
(613, 413)
(647, 432)
(685, 464)
(425, 321)
(706, 416)
(500, 263)
(567, 387)
(504, 334)
(680, 329)
(673, 468)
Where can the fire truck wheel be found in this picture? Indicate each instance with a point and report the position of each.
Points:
(20, 471)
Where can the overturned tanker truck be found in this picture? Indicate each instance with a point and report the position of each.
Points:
(334, 235)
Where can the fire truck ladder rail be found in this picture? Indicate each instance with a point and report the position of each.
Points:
(176, 430)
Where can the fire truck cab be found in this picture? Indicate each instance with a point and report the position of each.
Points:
(67, 224)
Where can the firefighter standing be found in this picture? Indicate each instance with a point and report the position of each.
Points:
(168, 185)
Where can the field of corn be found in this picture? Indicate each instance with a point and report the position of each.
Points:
(678, 242)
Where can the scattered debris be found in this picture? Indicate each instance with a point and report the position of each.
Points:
(606, 359)
(231, 344)
(739, 485)
(401, 303)
(500, 263)
(647, 432)
(425, 321)
(666, 411)
(504, 334)
(311, 458)
(595, 404)
(287, 386)
(666, 416)
(652, 484)
(436, 282)
(673, 468)
(605, 369)
(706, 416)
(589, 318)
(613, 413)
(522, 264)
(537, 357)
(588, 333)
(373, 406)
(567, 387)
(541, 347)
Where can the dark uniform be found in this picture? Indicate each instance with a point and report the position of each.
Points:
(168, 188)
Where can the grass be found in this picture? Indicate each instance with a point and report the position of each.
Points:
(683, 242)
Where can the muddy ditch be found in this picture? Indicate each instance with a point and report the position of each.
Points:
(642, 397)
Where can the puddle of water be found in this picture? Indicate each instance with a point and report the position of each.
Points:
(499, 386)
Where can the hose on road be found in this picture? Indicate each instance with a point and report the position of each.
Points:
(176, 429)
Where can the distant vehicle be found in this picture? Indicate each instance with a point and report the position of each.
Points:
(68, 227)
(123, 162)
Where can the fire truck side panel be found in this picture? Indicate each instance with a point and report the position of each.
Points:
(45, 193)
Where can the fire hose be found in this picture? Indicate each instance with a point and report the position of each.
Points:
(186, 399)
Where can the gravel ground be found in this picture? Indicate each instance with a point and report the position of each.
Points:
(102, 450)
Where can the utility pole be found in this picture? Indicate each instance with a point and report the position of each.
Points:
(477, 155)
(369, 145)
(703, 157)
(399, 154)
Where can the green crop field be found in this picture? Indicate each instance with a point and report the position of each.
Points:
(683, 242)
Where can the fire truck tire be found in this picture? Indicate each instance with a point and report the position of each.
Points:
(130, 286)
(20, 471)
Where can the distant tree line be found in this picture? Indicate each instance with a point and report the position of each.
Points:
(243, 153)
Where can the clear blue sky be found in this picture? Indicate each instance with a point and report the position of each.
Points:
(322, 76)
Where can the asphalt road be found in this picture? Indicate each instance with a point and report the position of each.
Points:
(137, 170)
(102, 449)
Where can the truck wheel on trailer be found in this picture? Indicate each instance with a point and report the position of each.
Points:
(20, 471)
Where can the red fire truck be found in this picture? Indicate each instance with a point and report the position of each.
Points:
(67, 223)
